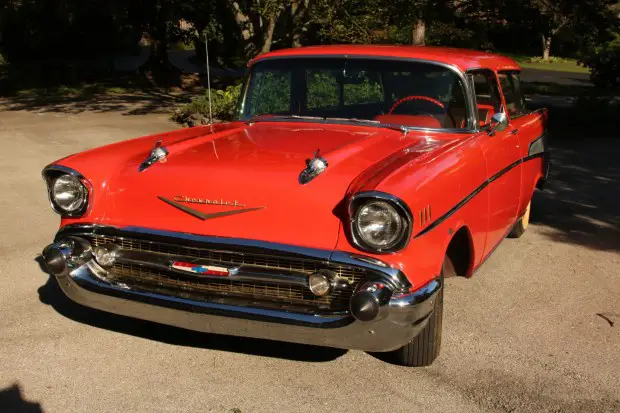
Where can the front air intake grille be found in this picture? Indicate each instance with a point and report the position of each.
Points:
(153, 279)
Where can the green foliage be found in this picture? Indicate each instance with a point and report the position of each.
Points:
(604, 61)
(552, 60)
(225, 101)
(223, 106)
(56, 37)
(349, 21)
(442, 33)
(323, 90)
(365, 92)
(272, 91)
(182, 45)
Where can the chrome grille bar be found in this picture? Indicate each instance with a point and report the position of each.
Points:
(144, 264)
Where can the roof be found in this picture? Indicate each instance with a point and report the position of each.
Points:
(464, 59)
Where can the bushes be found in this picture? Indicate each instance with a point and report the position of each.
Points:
(604, 61)
(552, 59)
(223, 104)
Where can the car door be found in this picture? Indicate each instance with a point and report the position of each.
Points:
(502, 153)
(530, 127)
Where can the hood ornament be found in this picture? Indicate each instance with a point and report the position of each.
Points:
(314, 167)
(158, 153)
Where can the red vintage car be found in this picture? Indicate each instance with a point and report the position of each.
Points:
(352, 182)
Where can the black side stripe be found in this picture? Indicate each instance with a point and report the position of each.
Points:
(476, 191)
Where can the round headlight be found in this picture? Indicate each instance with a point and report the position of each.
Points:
(68, 193)
(379, 225)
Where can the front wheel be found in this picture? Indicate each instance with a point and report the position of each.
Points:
(521, 225)
(424, 348)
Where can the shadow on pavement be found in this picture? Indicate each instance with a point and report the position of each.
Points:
(130, 103)
(52, 295)
(12, 401)
(581, 202)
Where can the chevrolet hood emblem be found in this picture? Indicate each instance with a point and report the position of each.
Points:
(204, 216)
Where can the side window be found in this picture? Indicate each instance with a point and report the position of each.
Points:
(511, 86)
(271, 92)
(487, 95)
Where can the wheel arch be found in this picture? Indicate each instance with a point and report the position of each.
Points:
(460, 250)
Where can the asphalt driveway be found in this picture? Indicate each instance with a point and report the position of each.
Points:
(536, 329)
(553, 76)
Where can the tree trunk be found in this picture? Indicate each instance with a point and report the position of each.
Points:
(297, 39)
(159, 48)
(199, 47)
(243, 21)
(419, 32)
(246, 28)
(268, 33)
(546, 45)
(159, 40)
(299, 10)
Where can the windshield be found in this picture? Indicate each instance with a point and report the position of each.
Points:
(377, 91)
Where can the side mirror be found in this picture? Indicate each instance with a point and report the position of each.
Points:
(499, 122)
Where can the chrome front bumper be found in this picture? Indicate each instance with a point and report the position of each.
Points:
(401, 317)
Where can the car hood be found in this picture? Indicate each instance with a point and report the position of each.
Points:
(239, 181)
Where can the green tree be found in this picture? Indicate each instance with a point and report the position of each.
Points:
(414, 14)
(349, 21)
(556, 15)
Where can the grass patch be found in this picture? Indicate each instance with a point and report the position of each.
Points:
(556, 64)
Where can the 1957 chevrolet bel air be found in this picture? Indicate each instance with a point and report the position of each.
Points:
(352, 182)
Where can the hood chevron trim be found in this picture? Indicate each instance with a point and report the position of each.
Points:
(202, 215)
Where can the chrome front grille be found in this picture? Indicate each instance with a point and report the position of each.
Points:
(154, 279)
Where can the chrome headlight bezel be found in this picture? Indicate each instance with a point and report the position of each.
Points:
(362, 199)
(51, 174)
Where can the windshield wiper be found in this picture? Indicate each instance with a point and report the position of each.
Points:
(356, 120)
(401, 128)
(267, 118)
(372, 122)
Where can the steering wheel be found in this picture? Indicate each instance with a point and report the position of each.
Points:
(415, 97)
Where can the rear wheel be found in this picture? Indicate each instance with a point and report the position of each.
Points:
(521, 225)
(424, 348)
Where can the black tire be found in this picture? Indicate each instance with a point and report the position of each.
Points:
(522, 224)
(424, 348)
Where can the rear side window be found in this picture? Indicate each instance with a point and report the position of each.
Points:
(511, 86)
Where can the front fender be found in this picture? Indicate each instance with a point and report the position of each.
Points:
(440, 189)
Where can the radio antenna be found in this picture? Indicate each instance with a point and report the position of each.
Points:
(208, 77)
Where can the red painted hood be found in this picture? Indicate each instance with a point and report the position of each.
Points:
(256, 166)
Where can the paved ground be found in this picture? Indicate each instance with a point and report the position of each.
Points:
(552, 76)
(536, 329)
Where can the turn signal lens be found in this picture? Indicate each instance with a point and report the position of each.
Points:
(104, 257)
(319, 284)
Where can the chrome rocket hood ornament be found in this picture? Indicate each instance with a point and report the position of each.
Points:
(314, 167)
(158, 153)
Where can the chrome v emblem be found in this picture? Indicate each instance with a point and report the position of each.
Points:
(202, 215)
